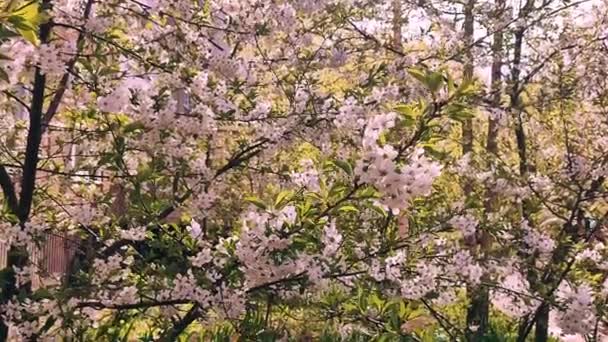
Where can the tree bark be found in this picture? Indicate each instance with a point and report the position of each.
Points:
(469, 30)
(520, 135)
(173, 333)
(541, 334)
(478, 310)
(18, 256)
(496, 81)
(397, 24)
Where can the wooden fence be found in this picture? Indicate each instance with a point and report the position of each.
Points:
(53, 257)
(3, 254)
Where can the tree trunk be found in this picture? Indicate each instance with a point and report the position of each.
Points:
(478, 310)
(469, 30)
(478, 314)
(496, 81)
(397, 25)
(520, 135)
(542, 325)
(18, 256)
(516, 88)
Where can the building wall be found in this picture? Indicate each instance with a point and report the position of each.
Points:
(53, 258)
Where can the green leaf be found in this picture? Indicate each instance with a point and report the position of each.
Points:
(26, 20)
(337, 191)
(450, 84)
(434, 81)
(459, 112)
(348, 208)
(409, 113)
(12, 5)
(368, 192)
(386, 337)
(126, 334)
(283, 198)
(407, 110)
(19, 23)
(418, 74)
(132, 127)
(379, 210)
(314, 196)
(402, 309)
(345, 166)
(30, 35)
(394, 321)
(467, 88)
(376, 301)
(5, 32)
(144, 173)
(30, 12)
(256, 201)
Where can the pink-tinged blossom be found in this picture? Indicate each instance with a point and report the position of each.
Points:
(115, 102)
(351, 115)
(513, 296)
(332, 239)
(51, 60)
(24, 275)
(398, 184)
(194, 229)
(376, 271)
(126, 295)
(308, 178)
(393, 266)
(287, 215)
(134, 234)
(536, 240)
(422, 284)
(203, 257)
(465, 267)
(446, 296)
(466, 224)
(578, 316)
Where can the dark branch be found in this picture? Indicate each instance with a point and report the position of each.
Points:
(48, 116)
(140, 305)
(9, 190)
(173, 333)
(34, 134)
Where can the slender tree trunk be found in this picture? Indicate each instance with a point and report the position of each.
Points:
(478, 314)
(496, 81)
(397, 25)
(469, 30)
(18, 256)
(516, 105)
(516, 88)
(542, 325)
(496, 95)
(478, 310)
(492, 134)
(520, 136)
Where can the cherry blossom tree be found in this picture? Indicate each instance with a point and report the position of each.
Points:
(275, 170)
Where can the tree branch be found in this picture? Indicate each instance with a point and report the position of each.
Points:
(34, 136)
(56, 101)
(9, 190)
(140, 305)
(179, 327)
